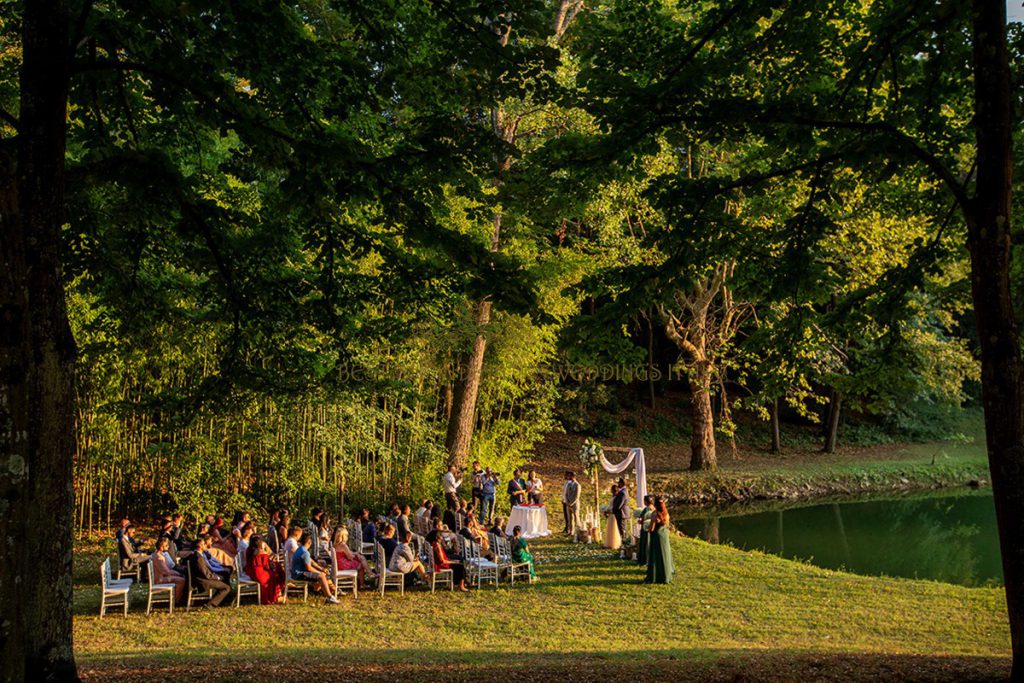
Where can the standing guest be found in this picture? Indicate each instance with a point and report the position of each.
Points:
(305, 568)
(490, 484)
(521, 550)
(620, 508)
(451, 485)
(477, 484)
(660, 566)
(571, 503)
(129, 550)
(345, 557)
(534, 489)
(203, 576)
(644, 515)
(442, 561)
(165, 570)
(264, 571)
(386, 538)
(516, 489)
(406, 560)
(402, 523)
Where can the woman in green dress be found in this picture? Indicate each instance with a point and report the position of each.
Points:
(644, 514)
(659, 551)
(521, 551)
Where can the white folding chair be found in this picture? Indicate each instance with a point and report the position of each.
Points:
(158, 592)
(439, 576)
(246, 586)
(385, 577)
(479, 568)
(515, 568)
(115, 591)
(344, 578)
(355, 539)
(291, 585)
(193, 593)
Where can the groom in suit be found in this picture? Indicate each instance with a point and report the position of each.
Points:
(620, 507)
(571, 503)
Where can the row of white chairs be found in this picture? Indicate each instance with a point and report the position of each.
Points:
(478, 570)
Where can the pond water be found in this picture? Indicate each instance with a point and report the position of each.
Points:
(947, 537)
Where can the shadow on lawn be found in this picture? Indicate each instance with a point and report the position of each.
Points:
(289, 664)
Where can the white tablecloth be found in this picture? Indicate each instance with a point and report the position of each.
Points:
(533, 520)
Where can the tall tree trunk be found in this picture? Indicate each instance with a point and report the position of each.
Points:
(467, 385)
(989, 239)
(835, 405)
(36, 368)
(702, 439)
(650, 362)
(776, 432)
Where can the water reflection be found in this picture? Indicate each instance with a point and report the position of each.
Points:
(947, 537)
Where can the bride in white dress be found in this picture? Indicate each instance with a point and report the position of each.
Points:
(612, 538)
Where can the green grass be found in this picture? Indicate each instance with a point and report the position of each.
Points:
(726, 608)
(911, 466)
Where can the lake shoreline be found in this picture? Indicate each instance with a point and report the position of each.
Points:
(703, 490)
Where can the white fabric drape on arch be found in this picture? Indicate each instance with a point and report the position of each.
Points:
(635, 455)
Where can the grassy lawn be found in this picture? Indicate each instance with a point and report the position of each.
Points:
(728, 614)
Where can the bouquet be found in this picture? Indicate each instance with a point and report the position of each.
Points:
(589, 455)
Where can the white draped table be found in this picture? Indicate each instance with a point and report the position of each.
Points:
(533, 519)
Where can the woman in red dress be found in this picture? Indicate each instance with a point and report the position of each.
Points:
(269, 575)
(441, 561)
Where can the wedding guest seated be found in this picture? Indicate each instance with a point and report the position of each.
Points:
(240, 519)
(422, 508)
(369, 527)
(323, 537)
(406, 560)
(450, 519)
(499, 527)
(265, 571)
(521, 550)
(178, 535)
(215, 563)
(402, 523)
(386, 538)
(475, 532)
(203, 577)
(442, 561)
(346, 558)
(129, 550)
(283, 528)
(120, 528)
(165, 570)
(245, 533)
(291, 544)
(305, 568)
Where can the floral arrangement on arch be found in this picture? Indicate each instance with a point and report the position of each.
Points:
(589, 455)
